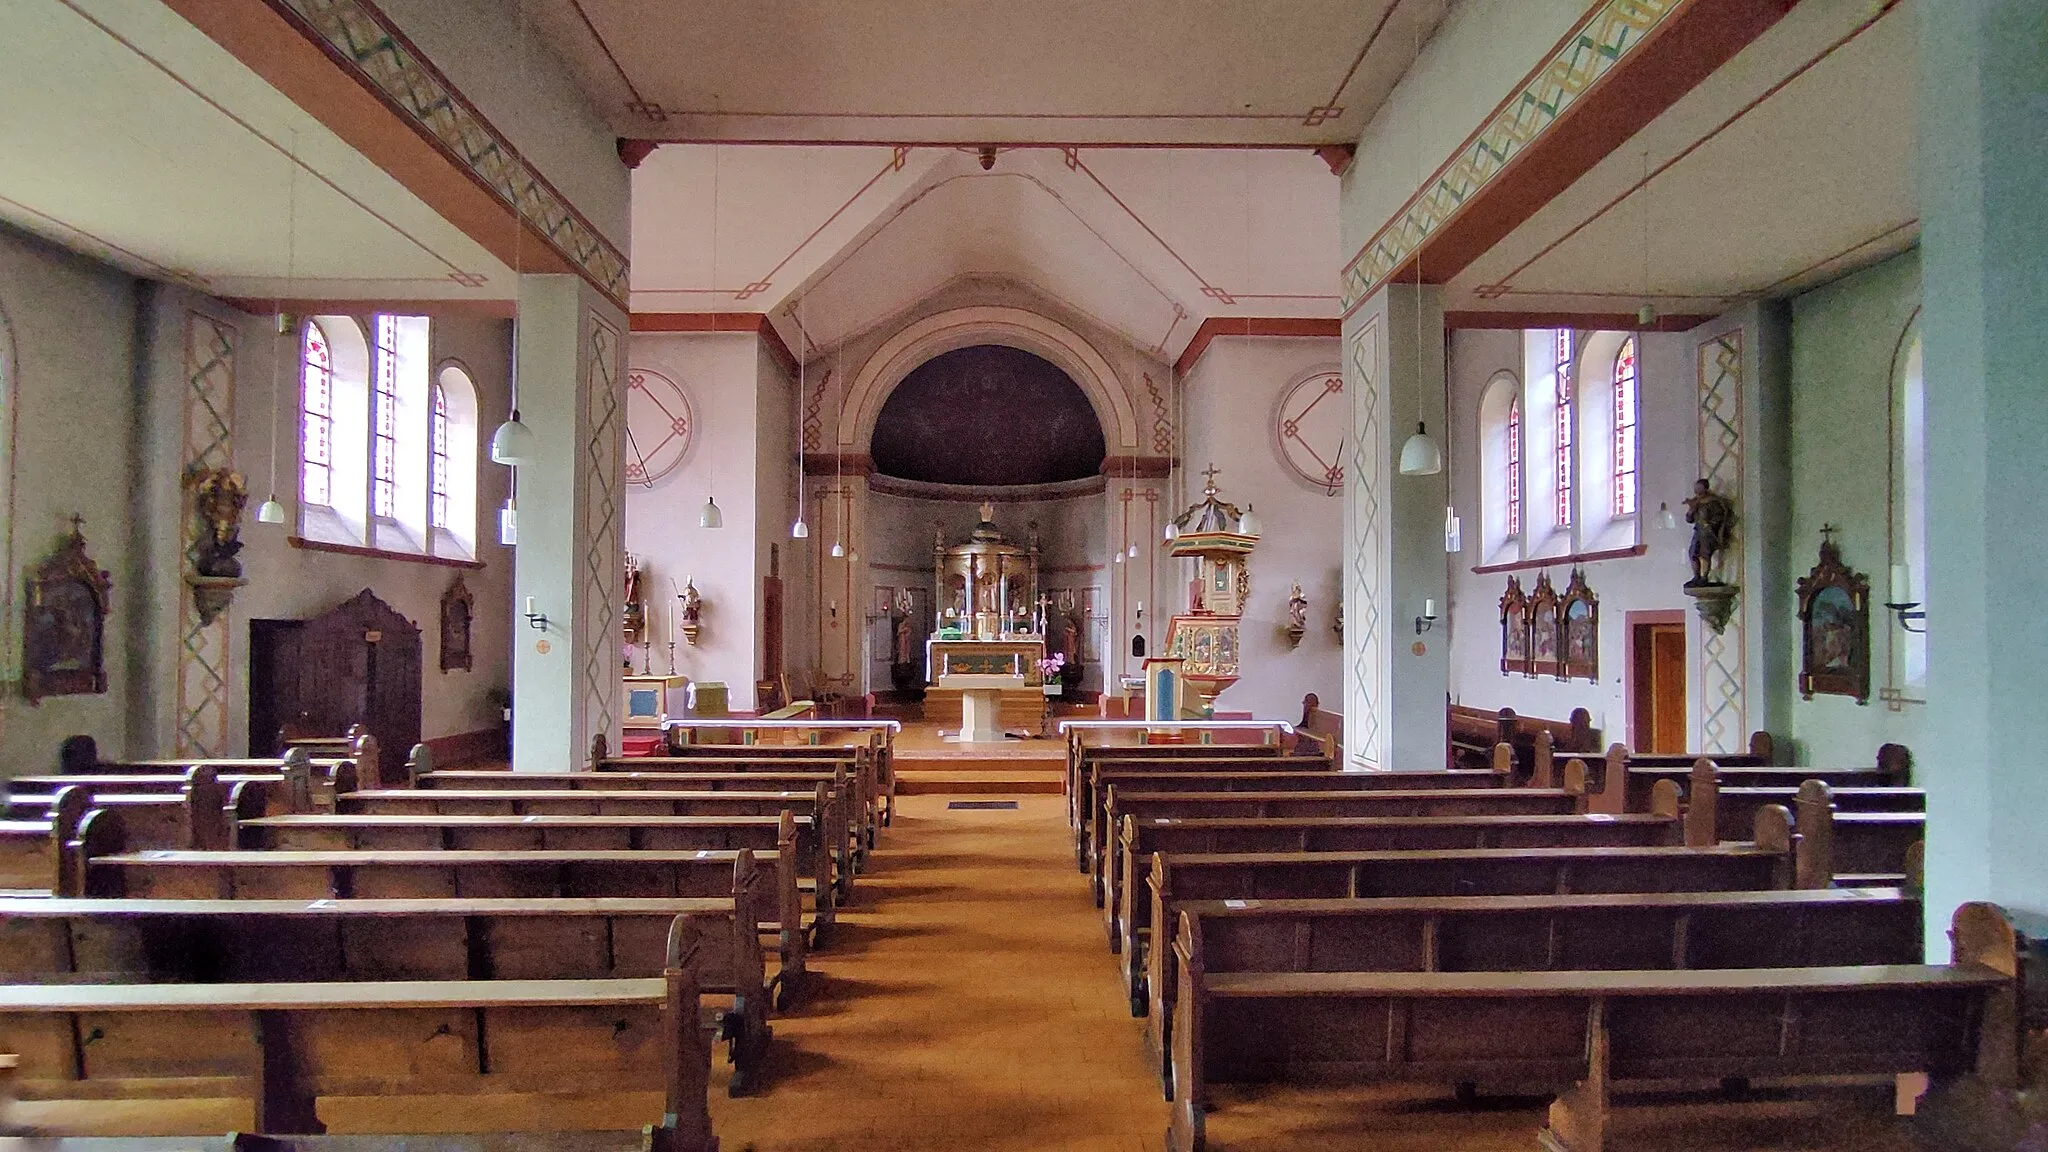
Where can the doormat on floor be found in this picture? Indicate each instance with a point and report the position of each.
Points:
(981, 804)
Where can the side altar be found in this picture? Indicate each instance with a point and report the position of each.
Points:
(989, 643)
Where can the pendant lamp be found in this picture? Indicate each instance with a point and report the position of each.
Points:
(710, 516)
(512, 444)
(1248, 524)
(1420, 456)
(838, 550)
(1666, 519)
(271, 511)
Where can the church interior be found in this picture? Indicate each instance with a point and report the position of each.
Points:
(678, 575)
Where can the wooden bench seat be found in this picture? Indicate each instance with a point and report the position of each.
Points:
(1117, 804)
(1833, 846)
(249, 941)
(1462, 872)
(821, 806)
(275, 1050)
(1128, 917)
(873, 745)
(1893, 769)
(394, 875)
(199, 815)
(1577, 1032)
(1771, 929)
(34, 851)
(868, 764)
(1272, 757)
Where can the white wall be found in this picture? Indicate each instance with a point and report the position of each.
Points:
(1669, 456)
(1232, 396)
(720, 374)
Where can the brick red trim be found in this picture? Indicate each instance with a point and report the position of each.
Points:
(1584, 321)
(754, 322)
(1216, 326)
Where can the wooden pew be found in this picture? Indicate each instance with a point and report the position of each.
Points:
(1575, 1032)
(1765, 864)
(1473, 734)
(261, 793)
(1142, 837)
(80, 755)
(867, 764)
(1118, 803)
(836, 779)
(279, 1048)
(1148, 777)
(35, 856)
(875, 737)
(1085, 804)
(1082, 757)
(1671, 930)
(253, 941)
(200, 814)
(819, 807)
(1893, 769)
(1320, 731)
(1860, 847)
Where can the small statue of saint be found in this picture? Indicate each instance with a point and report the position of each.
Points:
(1712, 517)
(218, 497)
(1297, 609)
(693, 604)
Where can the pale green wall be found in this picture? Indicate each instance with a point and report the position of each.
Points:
(1844, 337)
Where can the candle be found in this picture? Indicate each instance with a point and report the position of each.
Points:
(1902, 584)
(1429, 609)
(529, 607)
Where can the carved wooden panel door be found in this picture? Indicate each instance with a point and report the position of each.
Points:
(357, 664)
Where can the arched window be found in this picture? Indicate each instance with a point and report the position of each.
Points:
(453, 460)
(1513, 481)
(1567, 419)
(437, 473)
(384, 422)
(1625, 439)
(316, 418)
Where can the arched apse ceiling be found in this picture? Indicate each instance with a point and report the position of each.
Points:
(988, 415)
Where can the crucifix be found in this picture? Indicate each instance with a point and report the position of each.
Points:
(1209, 479)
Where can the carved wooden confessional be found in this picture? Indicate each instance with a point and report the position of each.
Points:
(356, 664)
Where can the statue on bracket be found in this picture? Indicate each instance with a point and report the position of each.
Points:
(218, 497)
(1297, 614)
(1834, 625)
(64, 633)
(1712, 517)
(1579, 618)
(458, 609)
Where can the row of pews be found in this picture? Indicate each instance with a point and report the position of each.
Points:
(1557, 926)
(250, 945)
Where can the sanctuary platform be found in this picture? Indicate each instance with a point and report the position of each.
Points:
(927, 764)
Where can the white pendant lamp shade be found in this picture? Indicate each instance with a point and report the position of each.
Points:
(1248, 524)
(513, 442)
(270, 512)
(1172, 532)
(1646, 316)
(838, 550)
(710, 516)
(1666, 519)
(800, 530)
(1420, 456)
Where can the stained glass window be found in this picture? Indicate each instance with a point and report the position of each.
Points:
(1567, 419)
(316, 419)
(1514, 468)
(437, 478)
(384, 420)
(1625, 429)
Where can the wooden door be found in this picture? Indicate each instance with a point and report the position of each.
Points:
(357, 664)
(1657, 685)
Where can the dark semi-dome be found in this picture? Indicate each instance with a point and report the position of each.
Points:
(988, 415)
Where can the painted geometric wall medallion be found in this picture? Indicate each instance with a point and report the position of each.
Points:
(1309, 427)
(659, 426)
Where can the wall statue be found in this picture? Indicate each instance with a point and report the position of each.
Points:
(1712, 517)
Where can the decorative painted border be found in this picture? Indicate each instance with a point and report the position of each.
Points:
(599, 490)
(1724, 664)
(1606, 35)
(205, 657)
(356, 34)
(1366, 741)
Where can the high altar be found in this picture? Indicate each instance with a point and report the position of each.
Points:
(989, 642)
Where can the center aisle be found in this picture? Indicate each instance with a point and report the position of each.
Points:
(969, 1002)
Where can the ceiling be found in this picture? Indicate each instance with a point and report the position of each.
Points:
(1789, 167)
(990, 71)
(1150, 242)
(176, 162)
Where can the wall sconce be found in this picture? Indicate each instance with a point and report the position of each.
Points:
(535, 619)
(832, 606)
(1427, 620)
(1902, 603)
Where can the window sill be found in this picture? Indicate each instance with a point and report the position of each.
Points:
(1559, 561)
(300, 542)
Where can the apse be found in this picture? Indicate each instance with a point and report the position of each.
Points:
(988, 416)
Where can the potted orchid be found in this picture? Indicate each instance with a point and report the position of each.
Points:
(1049, 673)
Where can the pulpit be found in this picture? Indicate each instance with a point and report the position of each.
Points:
(1218, 538)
